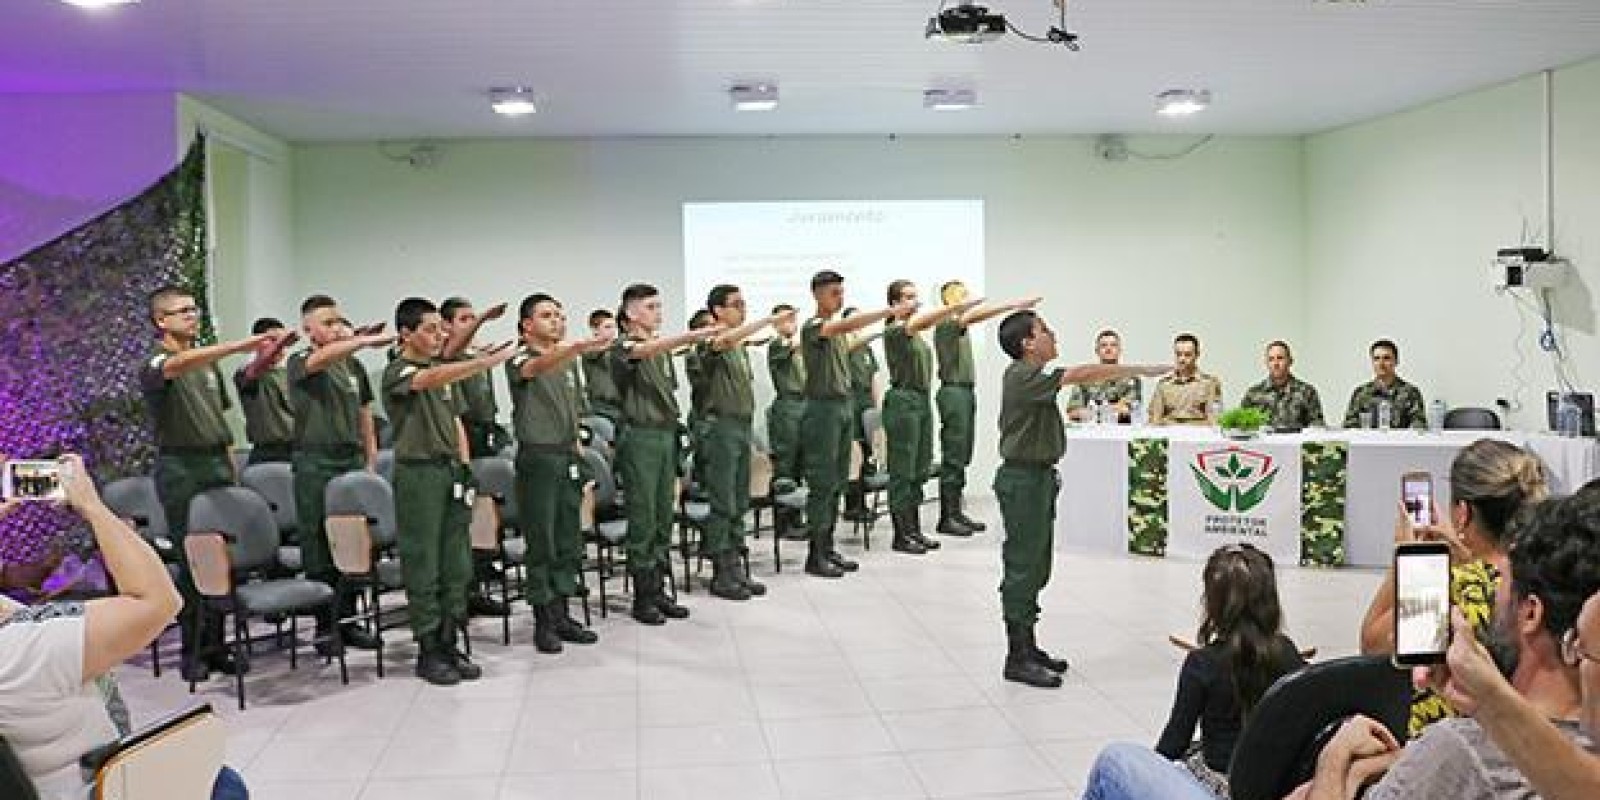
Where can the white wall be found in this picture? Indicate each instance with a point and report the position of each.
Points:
(1404, 215)
(1210, 243)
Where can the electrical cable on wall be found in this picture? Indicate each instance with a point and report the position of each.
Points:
(1190, 150)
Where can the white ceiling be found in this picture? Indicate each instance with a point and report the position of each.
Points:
(407, 69)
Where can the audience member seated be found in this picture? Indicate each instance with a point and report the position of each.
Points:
(1490, 481)
(1243, 652)
(56, 699)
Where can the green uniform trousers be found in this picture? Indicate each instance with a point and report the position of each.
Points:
(957, 406)
(827, 452)
(697, 424)
(312, 471)
(726, 460)
(647, 464)
(549, 492)
(178, 478)
(271, 452)
(783, 435)
(435, 546)
(861, 402)
(1027, 495)
(908, 426)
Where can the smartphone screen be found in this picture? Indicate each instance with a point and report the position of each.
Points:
(1416, 492)
(31, 480)
(1422, 602)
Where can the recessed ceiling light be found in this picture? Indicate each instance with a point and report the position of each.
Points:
(754, 96)
(95, 4)
(949, 99)
(513, 101)
(1182, 102)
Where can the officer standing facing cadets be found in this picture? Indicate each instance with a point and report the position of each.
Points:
(788, 371)
(187, 401)
(863, 398)
(724, 454)
(957, 404)
(599, 386)
(432, 486)
(333, 434)
(825, 347)
(1406, 409)
(1032, 441)
(1292, 403)
(264, 397)
(908, 411)
(647, 455)
(545, 404)
(1121, 394)
(1187, 396)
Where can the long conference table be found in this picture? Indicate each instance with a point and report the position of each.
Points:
(1318, 498)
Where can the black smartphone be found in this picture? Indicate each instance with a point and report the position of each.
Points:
(1421, 603)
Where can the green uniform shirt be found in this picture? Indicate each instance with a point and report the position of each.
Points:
(788, 372)
(544, 408)
(598, 381)
(827, 362)
(1120, 390)
(729, 384)
(863, 367)
(648, 386)
(426, 423)
(1031, 429)
(1406, 409)
(477, 393)
(187, 410)
(1292, 405)
(910, 359)
(328, 403)
(268, 416)
(954, 346)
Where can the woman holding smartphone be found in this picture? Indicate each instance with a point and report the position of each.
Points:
(1490, 482)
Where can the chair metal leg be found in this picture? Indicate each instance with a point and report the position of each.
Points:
(240, 632)
(338, 645)
(377, 627)
(505, 597)
(294, 641)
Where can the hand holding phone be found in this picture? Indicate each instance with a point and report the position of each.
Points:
(31, 481)
(1421, 603)
(1416, 494)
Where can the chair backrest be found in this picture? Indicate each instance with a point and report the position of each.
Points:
(605, 483)
(1278, 748)
(496, 476)
(760, 472)
(385, 464)
(484, 529)
(602, 429)
(363, 494)
(243, 518)
(14, 780)
(177, 758)
(135, 499)
(275, 482)
(1471, 419)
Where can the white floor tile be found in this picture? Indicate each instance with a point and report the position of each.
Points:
(953, 773)
(950, 729)
(665, 748)
(744, 781)
(571, 786)
(826, 737)
(869, 778)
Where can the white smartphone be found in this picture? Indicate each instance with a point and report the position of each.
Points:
(1416, 492)
(31, 480)
(1421, 603)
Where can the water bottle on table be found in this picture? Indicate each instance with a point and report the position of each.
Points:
(1569, 417)
(1436, 414)
(1385, 415)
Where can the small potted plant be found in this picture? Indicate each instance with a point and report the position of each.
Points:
(1243, 423)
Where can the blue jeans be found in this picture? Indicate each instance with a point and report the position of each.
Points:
(1132, 772)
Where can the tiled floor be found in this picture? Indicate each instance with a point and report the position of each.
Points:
(883, 685)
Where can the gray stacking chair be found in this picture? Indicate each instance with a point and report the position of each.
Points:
(134, 499)
(494, 521)
(274, 481)
(361, 535)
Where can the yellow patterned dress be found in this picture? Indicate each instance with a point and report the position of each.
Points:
(1471, 590)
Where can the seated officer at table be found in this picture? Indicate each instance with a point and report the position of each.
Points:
(1121, 393)
(1291, 403)
(1187, 396)
(1406, 409)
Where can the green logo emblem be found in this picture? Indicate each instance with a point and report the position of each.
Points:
(1234, 480)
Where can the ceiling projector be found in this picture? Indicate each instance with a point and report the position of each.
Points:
(967, 24)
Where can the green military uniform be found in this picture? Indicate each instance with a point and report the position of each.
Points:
(549, 475)
(826, 423)
(328, 442)
(908, 414)
(694, 369)
(601, 387)
(1406, 409)
(1032, 440)
(430, 504)
(268, 416)
(477, 394)
(1292, 406)
(192, 440)
(725, 444)
(957, 406)
(1119, 390)
(863, 369)
(788, 408)
(647, 455)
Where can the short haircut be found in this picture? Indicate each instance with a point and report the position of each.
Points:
(1555, 556)
(1015, 330)
(265, 324)
(531, 303)
(317, 302)
(846, 314)
(409, 313)
(598, 316)
(1186, 337)
(1107, 332)
(826, 277)
(948, 285)
(782, 308)
(898, 288)
(451, 305)
(1384, 344)
(1287, 350)
(719, 294)
(699, 319)
(635, 291)
(165, 293)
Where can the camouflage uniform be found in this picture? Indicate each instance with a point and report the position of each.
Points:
(1121, 390)
(1406, 408)
(1291, 406)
